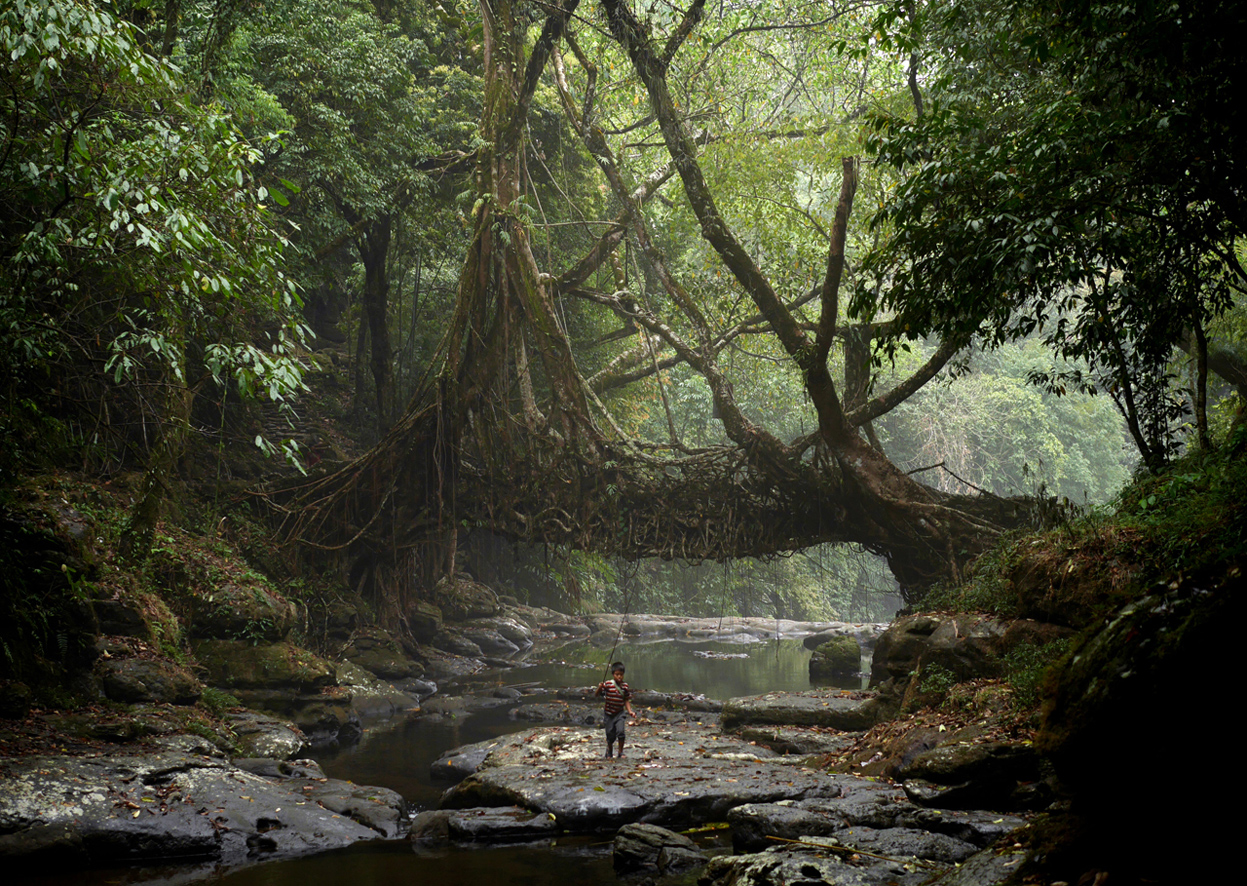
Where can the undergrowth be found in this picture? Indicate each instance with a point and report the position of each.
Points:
(1185, 519)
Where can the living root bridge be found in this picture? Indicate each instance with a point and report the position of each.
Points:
(616, 498)
(624, 499)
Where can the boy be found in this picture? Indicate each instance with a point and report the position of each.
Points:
(618, 702)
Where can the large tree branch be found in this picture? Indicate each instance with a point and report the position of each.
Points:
(632, 37)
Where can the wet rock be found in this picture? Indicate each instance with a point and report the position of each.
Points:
(675, 777)
(380, 809)
(457, 764)
(970, 776)
(377, 651)
(139, 680)
(262, 736)
(850, 713)
(804, 740)
(195, 745)
(566, 629)
(425, 621)
(460, 599)
(967, 645)
(252, 612)
(837, 657)
(640, 847)
(171, 806)
(485, 824)
(510, 629)
(488, 640)
(372, 698)
(792, 866)
(870, 808)
(270, 768)
(451, 640)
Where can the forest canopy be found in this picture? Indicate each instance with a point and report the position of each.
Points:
(697, 280)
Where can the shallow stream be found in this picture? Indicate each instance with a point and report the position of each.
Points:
(397, 755)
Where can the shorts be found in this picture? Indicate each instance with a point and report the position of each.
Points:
(615, 727)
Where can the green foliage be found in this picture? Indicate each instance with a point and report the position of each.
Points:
(1026, 666)
(987, 588)
(1068, 180)
(988, 428)
(218, 702)
(1192, 514)
(936, 678)
(138, 235)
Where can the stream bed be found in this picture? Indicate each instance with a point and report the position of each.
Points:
(397, 755)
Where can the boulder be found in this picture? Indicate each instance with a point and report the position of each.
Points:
(648, 847)
(838, 657)
(803, 740)
(986, 775)
(372, 698)
(967, 645)
(462, 599)
(453, 641)
(261, 736)
(251, 611)
(170, 806)
(140, 680)
(375, 650)
(234, 664)
(424, 620)
(489, 824)
(489, 640)
(866, 812)
(851, 712)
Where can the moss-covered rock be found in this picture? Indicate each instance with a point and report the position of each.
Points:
(837, 657)
(424, 620)
(461, 598)
(248, 611)
(377, 651)
(137, 680)
(968, 646)
(237, 665)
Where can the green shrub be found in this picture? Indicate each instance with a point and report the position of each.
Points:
(218, 701)
(1025, 668)
(936, 678)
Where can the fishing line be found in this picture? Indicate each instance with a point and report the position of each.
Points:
(629, 572)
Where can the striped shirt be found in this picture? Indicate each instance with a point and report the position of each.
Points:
(616, 694)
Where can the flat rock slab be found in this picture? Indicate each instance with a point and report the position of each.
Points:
(847, 711)
(494, 824)
(806, 866)
(870, 815)
(674, 777)
(175, 806)
(805, 740)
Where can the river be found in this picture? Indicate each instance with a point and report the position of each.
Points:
(397, 755)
